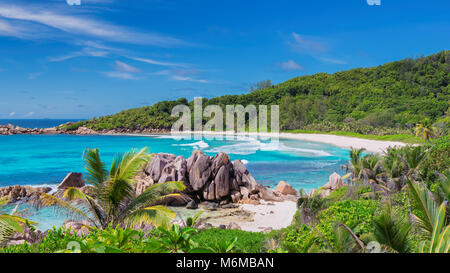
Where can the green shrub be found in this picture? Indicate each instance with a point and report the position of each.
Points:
(356, 214)
(299, 239)
(438, 159)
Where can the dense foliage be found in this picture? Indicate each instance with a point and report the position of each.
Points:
(391, 201)
(388, 99)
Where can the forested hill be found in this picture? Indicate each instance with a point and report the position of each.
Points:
(386, 99)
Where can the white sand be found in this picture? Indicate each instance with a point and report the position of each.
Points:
(373, 146)
(276, 216)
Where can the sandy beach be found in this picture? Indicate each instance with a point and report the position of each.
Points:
(256, 218)
(372, 146)
(275, 215)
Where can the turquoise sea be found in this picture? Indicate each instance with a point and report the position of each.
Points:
(46, 159)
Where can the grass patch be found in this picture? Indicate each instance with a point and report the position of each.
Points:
(248, 242)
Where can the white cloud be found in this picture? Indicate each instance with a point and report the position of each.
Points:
(90, 49)
(81, 25)
(12, 114)
(306, 45)
(121, 66)
(33, 76)
(150, 61)
(333, 61)
(290, 65)
(181, 78)
(120, 75)
(22, 30)
(29, 114)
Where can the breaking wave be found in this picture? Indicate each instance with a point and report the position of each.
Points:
(251, 146)
(196, 145)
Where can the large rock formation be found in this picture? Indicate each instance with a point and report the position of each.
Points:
(334, 182)
(206, 178)
(21, 193)
(284, 188)
(72, 180)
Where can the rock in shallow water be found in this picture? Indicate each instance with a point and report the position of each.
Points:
(22, 193)
(72, 180)
(214, 179)
(284, 188)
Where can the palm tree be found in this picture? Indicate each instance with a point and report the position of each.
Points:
(414, 157)
(404, 163)
(426, 131)
(110, 198)
(355, 164)
(392, 230)
(10, 223)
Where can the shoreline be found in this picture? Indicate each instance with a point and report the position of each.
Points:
(346, 142)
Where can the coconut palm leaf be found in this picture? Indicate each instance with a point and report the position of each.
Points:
(154, 193)
(118, 191)
(156, 215)
(424, 202)
(76, 194)
(10, 223)
(47, 200)
(126, 166)
(391, 230)
(440, 238)
(96, 171)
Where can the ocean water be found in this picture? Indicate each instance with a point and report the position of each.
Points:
(46, 159)
(36, 123)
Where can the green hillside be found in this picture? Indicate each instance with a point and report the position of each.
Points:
(383, 100)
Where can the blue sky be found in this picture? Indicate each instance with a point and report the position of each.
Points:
(103, 56)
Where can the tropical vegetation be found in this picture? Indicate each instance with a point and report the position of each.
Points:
(403, 98)
(390, 203)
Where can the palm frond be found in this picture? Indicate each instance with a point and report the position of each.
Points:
(424, 202)
(440, 238)
(154, 193)
(391, 230)
(96, 171)
(156, 215)
(47, 200)
(11, 222)
(76, 194)
(126, 166)
(119, 190)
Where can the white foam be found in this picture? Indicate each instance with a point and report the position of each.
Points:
(196, 145)
(252, 145)
(53, 186)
